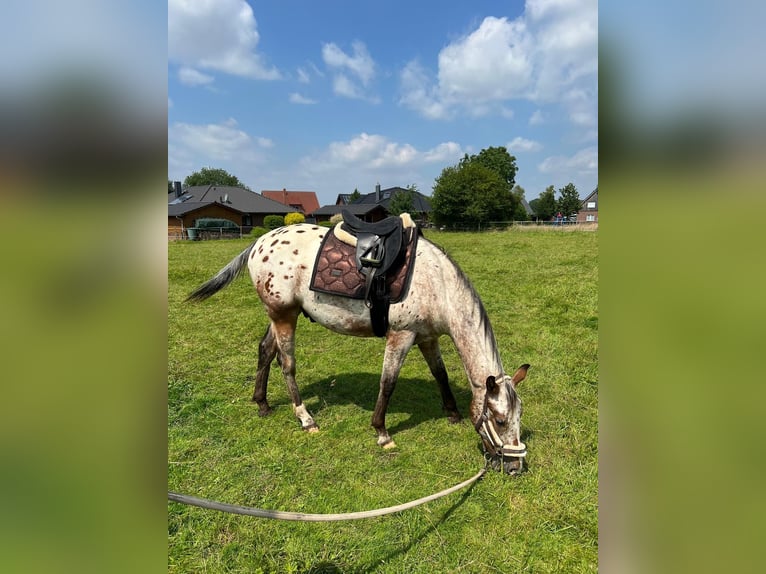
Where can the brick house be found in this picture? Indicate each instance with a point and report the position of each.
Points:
(244, 208)
(589, 208)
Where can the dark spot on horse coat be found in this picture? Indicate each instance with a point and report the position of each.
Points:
(286, 277)
(265, 258)
(301, 231)
(273, 243)
(285, 242)
(295, 252)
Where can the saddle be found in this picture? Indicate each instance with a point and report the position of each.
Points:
(369, 261)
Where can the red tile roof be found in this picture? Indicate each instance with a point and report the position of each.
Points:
(307, 200)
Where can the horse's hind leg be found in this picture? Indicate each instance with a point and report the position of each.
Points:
(397, 345)
(267, 350)
(284, 332)
(432, 353)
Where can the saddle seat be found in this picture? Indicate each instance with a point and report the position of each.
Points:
(378, 245)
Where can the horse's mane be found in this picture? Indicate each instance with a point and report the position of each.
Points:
(483, 319)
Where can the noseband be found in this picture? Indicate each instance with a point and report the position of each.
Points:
(491, 438)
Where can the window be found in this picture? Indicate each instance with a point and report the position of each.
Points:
(247, 220)
(591, 205)
(590, 218)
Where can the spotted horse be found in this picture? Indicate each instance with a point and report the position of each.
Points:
(439, 300)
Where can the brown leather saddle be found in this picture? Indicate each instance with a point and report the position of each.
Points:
(369, 261)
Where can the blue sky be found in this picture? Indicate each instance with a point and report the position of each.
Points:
(332, 96)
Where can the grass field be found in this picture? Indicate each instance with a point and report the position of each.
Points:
(540, 291)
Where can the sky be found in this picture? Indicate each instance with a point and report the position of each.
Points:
(339, 95)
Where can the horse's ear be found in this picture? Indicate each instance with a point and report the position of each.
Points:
(519, 375)
(491, 385)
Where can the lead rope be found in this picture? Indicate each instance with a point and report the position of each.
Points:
(303, 517)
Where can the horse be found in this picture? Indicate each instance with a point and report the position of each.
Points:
(440, 301)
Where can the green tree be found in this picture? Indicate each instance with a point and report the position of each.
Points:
(471, 194)
(354, 196)
(402, 202)
(498, 160)
(569, 202)
(213, 176)
(545, 205)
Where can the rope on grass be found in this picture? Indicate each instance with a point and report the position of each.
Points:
(303, 517)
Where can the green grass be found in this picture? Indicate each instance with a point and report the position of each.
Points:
(539, 288)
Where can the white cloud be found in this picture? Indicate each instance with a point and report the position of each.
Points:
(296, 98)
(191, 146)
(584, 161)
(353, 73)
(191, 77)
(219, 35)
(303, 76)
(552, 48)
(372, 151)
(520, 144)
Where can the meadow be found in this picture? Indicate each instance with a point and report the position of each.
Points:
(540, 290)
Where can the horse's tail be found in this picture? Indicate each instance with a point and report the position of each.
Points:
(222, 278)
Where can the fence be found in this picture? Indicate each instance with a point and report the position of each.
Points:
(504, 225)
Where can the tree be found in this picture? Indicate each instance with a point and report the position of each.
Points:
(498, 160)
(471, 194)
(354, 196)
(213, 176)
(402, 202)
(569, 203)
(545, 205)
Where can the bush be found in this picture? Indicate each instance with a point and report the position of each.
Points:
(293, 218)
(326, 224)
(256, 232)
(337, 218)
(273, 221)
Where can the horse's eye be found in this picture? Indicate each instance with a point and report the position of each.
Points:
(500, 422)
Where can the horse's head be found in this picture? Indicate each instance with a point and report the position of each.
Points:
(500, 423)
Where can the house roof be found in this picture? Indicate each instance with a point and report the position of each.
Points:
(189, 206)
(420, 203)
(306, 199)
(358, 209)
(236, 198)
(527, 207)
(592, 196)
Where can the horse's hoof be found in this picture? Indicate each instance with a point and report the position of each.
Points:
(454, 419)
(389, 445)
(312, 428)
(264, 412)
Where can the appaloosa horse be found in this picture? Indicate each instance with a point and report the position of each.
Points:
(440, 301)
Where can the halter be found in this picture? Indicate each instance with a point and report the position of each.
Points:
(490, 436)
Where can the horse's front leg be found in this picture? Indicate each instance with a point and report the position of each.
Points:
(284, 333)
(398, 343)
(433, 356)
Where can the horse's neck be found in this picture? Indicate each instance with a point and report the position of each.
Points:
(471, 331)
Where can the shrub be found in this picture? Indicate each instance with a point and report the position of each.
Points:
(337, 218)
(293, 218)
(256, 232)
(273, 221)
(326, 224)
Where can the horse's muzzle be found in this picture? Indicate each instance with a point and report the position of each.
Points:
(507, 459)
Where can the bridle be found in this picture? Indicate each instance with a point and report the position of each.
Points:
(487, 432)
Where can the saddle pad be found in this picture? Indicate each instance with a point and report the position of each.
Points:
(335, 270)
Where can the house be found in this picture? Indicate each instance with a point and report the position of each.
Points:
(589, 208)
(245, 208)
(304, 201)
(376, 205)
